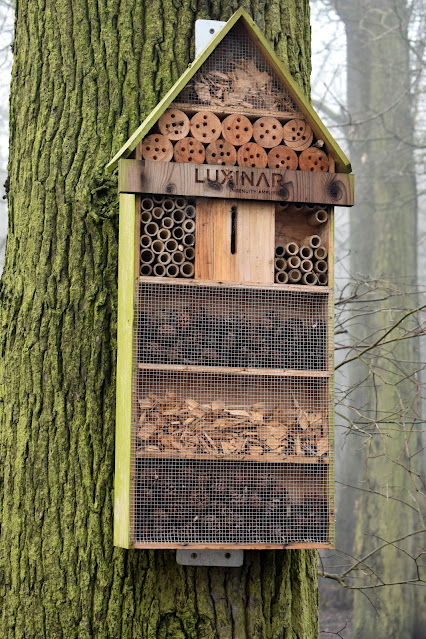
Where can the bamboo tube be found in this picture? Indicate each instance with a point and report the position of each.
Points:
(178, 216)
(146, 217)
(305, 252)
(158, 247)
(309, 278)
(280, 264)
(157, 213)
(322, 279)
(172, 270)
(147, 204)
(279, 251)
(167, 222)
(298, 207)
(151, 229)
(314, 241)
(187, 269)
(168, 205)
(189, 240)
(321, 266)
(178, 233)
(306, 266)
(310, 208)
(188, 226)
(189, 253)
(178, 257)
(158, 199)
(283, 205)
(164, 258)
(159, 270)
(180, 202)
(293, 262)
(146, 241)
(147, 256)
(146, 269)
(171, 245)
(291, 248)
(281, 277)
(164, 234)
(317, 218)
(190, 211)
(320, 253)
(294, 276)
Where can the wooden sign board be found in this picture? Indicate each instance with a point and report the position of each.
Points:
(202, 180)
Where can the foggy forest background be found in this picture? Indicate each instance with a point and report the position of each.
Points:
(369, 86)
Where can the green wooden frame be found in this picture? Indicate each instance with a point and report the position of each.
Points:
(342, 163)
(126, 287)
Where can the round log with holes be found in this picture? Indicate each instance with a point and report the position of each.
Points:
(174, 124)
(297, 134)
(267, 132)
(221, 152)
(189, 150)
(157, 147)
(313, 160)
(252, 155)
(237, 129)
(282, 157)
(205, 127)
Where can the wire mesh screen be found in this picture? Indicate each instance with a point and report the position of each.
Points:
(231, 327)
(231, 417)
(237, 78)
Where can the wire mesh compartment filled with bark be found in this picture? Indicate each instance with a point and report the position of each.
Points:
(178, 502)
(167, 236)
(237, 77)
(229, 326)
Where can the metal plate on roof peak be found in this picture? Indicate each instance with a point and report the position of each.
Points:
(205, 30)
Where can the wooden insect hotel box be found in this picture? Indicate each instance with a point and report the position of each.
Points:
(225, 317)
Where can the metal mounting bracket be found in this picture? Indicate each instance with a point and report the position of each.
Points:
(204, 32)
(230, 558)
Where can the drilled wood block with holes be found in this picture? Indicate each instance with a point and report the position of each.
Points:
(225, 334)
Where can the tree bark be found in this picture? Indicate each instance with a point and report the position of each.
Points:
(85, 75)
(383, 245)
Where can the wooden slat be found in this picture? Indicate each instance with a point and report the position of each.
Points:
(124, 370)
(291, 288)
(227, 370)
(222, 546)
(203, 180)
(254, 237)
(267, 457)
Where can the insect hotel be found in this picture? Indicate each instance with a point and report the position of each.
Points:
(225, 318)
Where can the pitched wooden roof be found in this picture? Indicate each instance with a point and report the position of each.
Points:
(342, 163)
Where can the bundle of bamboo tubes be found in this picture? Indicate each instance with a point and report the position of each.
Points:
(305, 262)
(191, 502)
(255, 142)
(167, 236)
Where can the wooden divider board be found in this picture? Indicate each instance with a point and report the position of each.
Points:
(214, 181)
(253, 260)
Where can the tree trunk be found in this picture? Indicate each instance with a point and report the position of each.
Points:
(85, 75)
(383, 245)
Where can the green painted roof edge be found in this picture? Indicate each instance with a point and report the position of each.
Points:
(321, 131)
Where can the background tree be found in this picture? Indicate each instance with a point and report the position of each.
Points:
(85, 74)
(384, 65)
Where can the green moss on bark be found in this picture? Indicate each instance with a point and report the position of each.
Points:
(85, 74)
